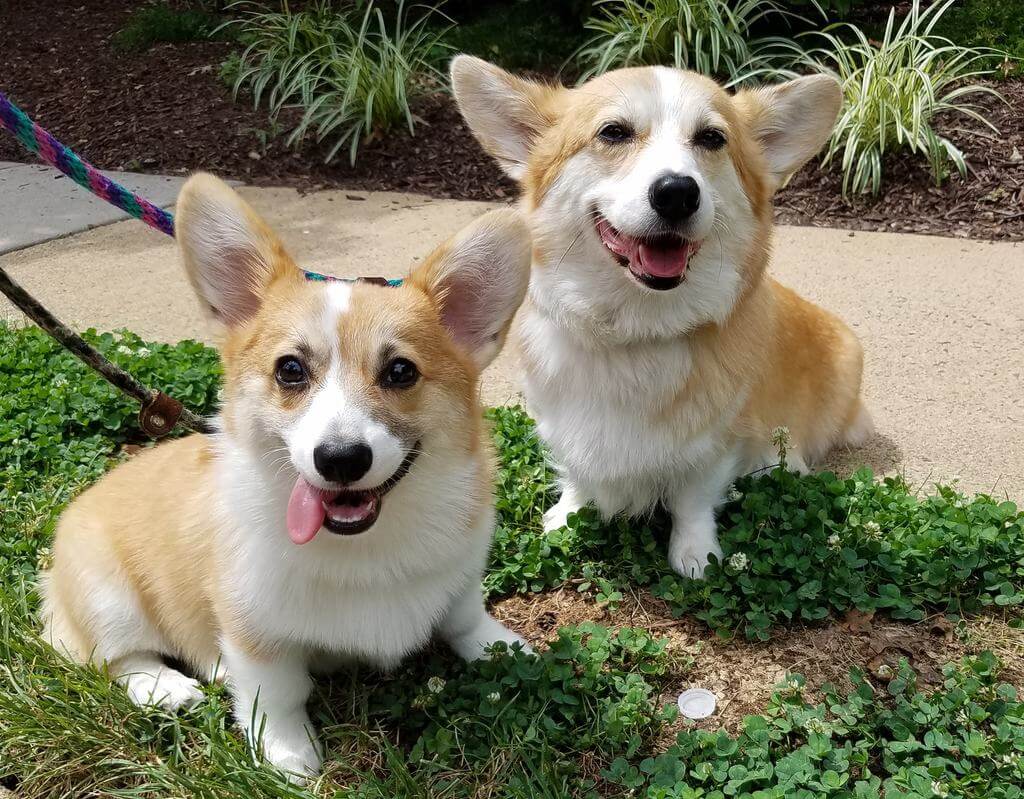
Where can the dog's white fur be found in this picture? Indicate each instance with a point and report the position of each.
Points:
(182, 551)
(625, 382)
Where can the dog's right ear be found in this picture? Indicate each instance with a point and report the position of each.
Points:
(231, 255)
(505, 113)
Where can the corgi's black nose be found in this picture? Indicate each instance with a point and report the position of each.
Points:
(675, 197)
(342, 462)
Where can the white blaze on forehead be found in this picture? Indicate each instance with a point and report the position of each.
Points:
(339, 299)
(339, 411)
(669, 112)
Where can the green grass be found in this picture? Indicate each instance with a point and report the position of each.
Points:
(159, 22)
(985, 23)
(582, 719)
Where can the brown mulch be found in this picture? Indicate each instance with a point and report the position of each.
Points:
(743, 674)
(167, 110)
(988, 204)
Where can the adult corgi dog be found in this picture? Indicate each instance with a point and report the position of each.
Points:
(658, 355)
(342, 510)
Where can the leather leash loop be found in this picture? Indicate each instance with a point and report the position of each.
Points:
(159, 415)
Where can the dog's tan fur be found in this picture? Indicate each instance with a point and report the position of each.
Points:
(798, 365)
(157, 559)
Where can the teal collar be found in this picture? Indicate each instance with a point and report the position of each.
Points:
(376, 281)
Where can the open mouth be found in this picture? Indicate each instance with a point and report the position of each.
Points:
(658, 261)
(342, 512)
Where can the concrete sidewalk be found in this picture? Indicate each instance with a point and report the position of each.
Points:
(38, 203)
(942, 320)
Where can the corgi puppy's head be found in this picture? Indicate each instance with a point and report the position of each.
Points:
(649, 188)
(344, 385)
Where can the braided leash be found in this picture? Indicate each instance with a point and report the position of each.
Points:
(160, 413)
(39, 141)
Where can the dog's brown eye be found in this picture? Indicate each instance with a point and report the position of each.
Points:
(400, 373)
(710, 139)
(615, 132)
(290, 372)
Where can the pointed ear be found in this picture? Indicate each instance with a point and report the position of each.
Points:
(791, 121)
(478, 280)
(505, 113)
(230, 254)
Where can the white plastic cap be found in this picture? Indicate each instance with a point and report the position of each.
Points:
(697, 703)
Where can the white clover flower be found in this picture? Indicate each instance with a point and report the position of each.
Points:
(819, 726)
(493, 697)
(793, 684)
(739, 561)
(124, 349)
(60, 381)
(873, 530)
(143, 352)
(735, 495)
(834, 542)
(435, 685)
(940, 790)
(1008, 524)
(1010, 759)
(44, 559)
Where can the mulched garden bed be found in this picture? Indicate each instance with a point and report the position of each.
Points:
(167, 110)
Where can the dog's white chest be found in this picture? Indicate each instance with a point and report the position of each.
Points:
(612, 416)
(376, 596)
(380, 622)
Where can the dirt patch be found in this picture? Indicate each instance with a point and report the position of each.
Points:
(743, 674)
(166, 110)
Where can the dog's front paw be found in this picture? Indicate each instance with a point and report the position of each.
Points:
(477, 643)
(557, 516)
(689, 555)
(167, 689)
(295, 755)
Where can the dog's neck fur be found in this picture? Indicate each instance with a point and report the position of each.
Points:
(622, 316)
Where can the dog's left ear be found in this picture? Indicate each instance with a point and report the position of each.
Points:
(791, 121)
(478, 280)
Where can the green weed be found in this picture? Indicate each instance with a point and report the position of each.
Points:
(159, 22)
(713, 37)
(351, 70)
(893, 90)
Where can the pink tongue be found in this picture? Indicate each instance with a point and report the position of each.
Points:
(664, 261)
(656, 261)
(306, 513)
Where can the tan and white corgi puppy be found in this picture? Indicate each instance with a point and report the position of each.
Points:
(658, 355)
(342, 510)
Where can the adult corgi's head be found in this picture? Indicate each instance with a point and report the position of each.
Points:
(343, 384)
(655, 179)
